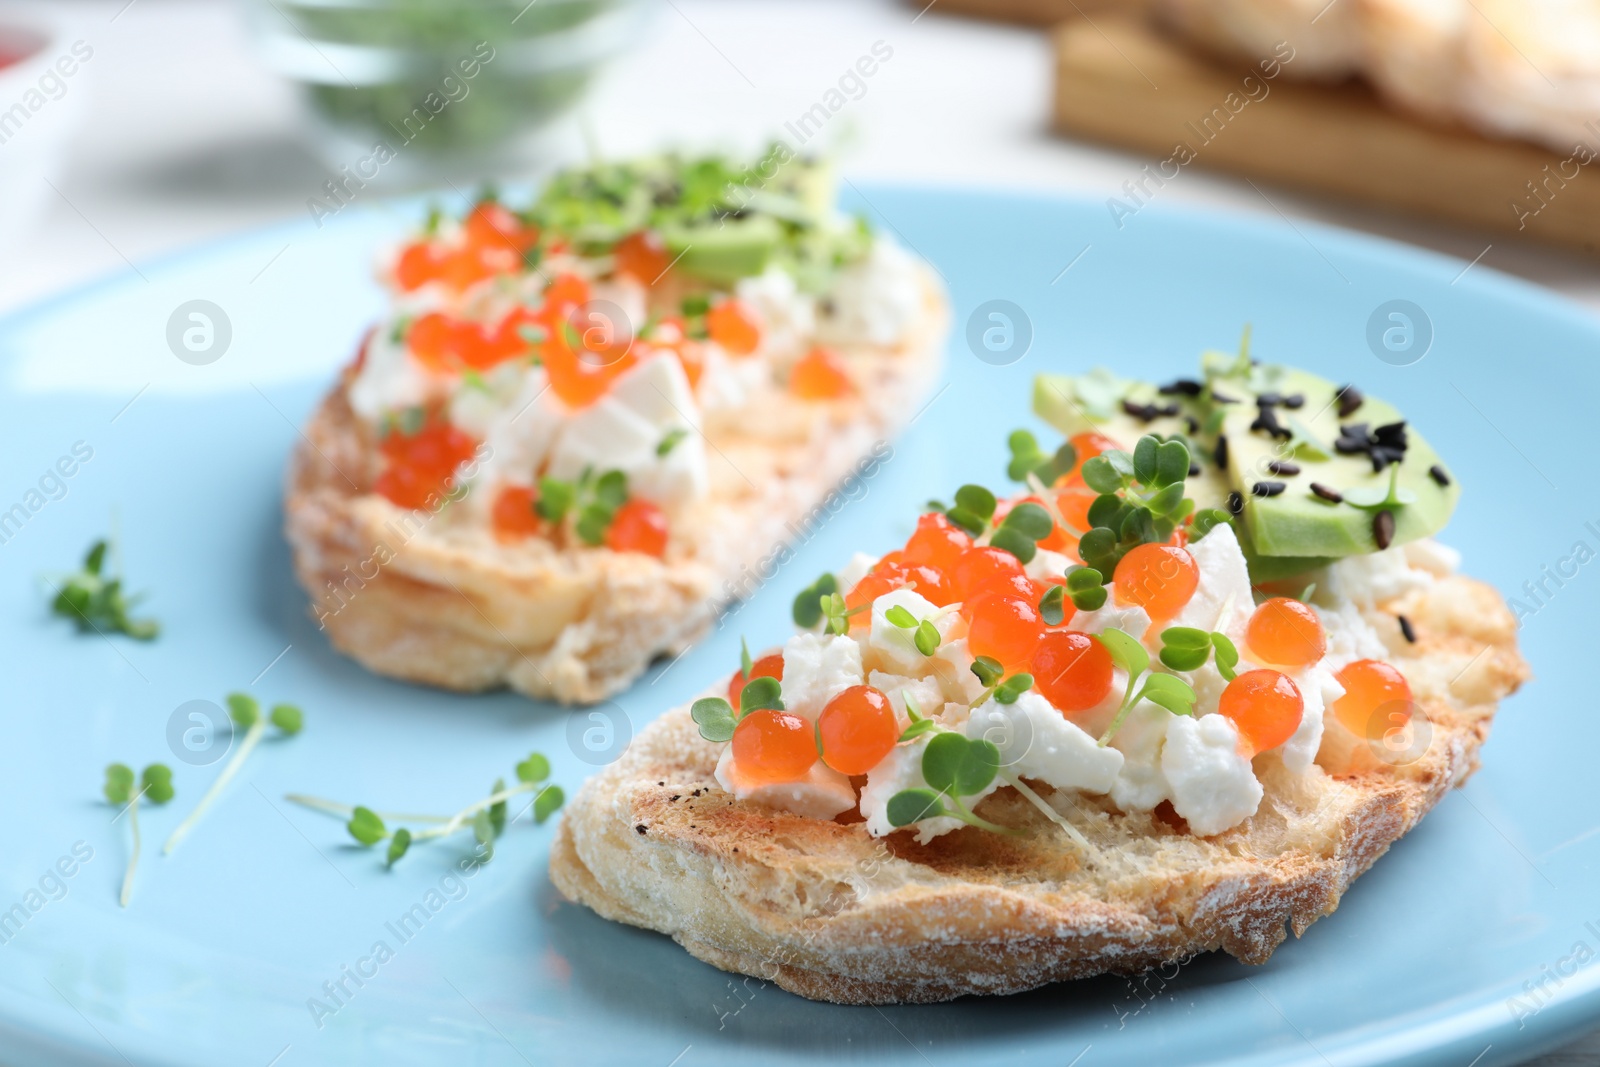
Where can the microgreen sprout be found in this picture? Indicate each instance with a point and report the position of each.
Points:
(594, 498)
(1167, 690)
(246, 716)
(155, 785)
(1004, 690)
(487, 818)
(97, 603)
(954, 766)
(1019, 532)
(1185, 648)
(1029, 462)
(717, 718)
(1141, 499)
(925, 634)
(838, 614)
(1087, 588)
(670, 440)
(808, 608)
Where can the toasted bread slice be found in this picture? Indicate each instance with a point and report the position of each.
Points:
(416, 596)
(1412, 53)
(829, 912)
(1313, 38)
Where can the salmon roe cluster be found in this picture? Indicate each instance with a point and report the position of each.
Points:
(493, 241)
(419, 468)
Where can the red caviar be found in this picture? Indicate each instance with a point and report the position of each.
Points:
(642, 255)
(1158, 578)
(493, 225)
(638, 526)
(1285, 632)
(1265, 706)
(857, 729)
(421, 467)
(1072, 670)
(1377, 698)
(891, 573)
(773, 746)
(820, 375)
(765, 667)
(1088, 445)
(513, 516)
(1002, 627)
(979, 567)
(734, 325)
(419, 263)
(938, 542)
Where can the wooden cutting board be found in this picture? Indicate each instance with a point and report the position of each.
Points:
(1120, 82)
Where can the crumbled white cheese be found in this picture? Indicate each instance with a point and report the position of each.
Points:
(390, 380)
(952, 665)
(1212, 783)
(876, 300)
(1047, 566)
(902, 769)
(1140, 784)
(854, 571)
(893, 647)
(625, 429)
(1439, 560)
(1132, 620)
(821, 794)
(1318, 689)
(1224, 584)
(1373, 577)
(1350, 636)
(817, 668)
(925, 693)
(788, 316)
(1036, 741)
(517, 445)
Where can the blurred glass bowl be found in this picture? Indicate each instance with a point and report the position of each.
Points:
(415, 90)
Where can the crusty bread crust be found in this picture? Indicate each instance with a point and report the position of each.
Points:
(418, 596)
(828, 912)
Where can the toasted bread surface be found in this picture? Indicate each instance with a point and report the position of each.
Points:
(831, 913)
(418, 596)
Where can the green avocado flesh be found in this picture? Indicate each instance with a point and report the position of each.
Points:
(1295, 530)
(723, 252)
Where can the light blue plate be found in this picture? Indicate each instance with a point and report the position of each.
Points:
(228, 940)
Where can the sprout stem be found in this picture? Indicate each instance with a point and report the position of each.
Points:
(1050, 813)
(251, 738)
(345, 811)
(133, 858)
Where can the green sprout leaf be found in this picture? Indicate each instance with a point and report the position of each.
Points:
(1185, 648)
(156, 783)
(1087, 588)
(1169, 691)
(97, 604)
(483, 832)
(715, 718)
(926, 638)
(913, 805)
(987, 669)
(759, 694)
(1145, 459)
(1030, 520)
(917, 728)
(1206, 520)
(900, 617)
(366, 827)
(536, 768)
(398, 844)
(1013, 687)
(1172, 465)
(547, 803)
(556, 498)
(957, 766)
(808, 603)
(1227, 656)
(119, 783)
(1015, 542)
(243, 710)
(1100, 475)
(1125, 651)
(670, 441)
(977, 500)
(497, 810)
(288, 719)
(1052, 606)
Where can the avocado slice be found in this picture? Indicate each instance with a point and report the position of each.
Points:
(723, 252)
(1286, 430)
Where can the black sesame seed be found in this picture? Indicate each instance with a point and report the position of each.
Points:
(1326, 493)
(1283, 466)
(1383, 528)
(1294, 401)
(1192, 423)
(639, 829)
(1267, 488)
(1220, 453)
(1181, 387)
(675, 797)
(1350, 399)
(1235, 504)
(1407, 630)
(1439, 474)
(1194, 469)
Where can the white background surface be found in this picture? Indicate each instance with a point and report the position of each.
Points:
(181, 137)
